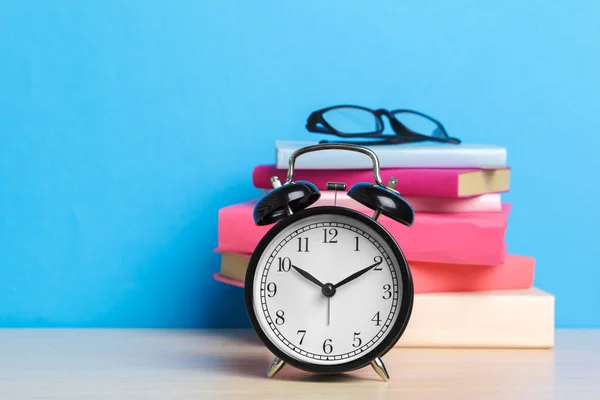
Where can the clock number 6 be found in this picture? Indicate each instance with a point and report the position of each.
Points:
(327, 347)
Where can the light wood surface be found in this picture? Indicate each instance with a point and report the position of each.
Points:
(175, 364)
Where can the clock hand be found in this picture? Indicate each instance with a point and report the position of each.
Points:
(356, 274)
(308, 276)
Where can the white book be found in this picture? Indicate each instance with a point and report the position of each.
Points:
(489, 202)
(494, 319)
(415, 155)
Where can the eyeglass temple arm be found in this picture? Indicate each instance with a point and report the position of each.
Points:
(334, 146)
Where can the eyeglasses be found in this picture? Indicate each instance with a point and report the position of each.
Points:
(355, 122)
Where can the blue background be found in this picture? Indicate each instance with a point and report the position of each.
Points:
(125, 126)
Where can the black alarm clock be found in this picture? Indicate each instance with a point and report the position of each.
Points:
(328, 289)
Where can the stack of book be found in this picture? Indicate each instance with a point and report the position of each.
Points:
(469, 290)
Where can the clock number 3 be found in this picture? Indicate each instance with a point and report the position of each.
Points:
(387, 292)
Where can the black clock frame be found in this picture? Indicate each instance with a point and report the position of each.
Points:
(395, 331)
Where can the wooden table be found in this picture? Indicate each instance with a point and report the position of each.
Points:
(163, 364)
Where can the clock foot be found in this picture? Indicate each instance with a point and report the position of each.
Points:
(275, 367)
(379, 367)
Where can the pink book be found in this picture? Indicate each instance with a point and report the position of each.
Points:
(517, 272)
(431, 182)
(456, 238)
(491, 202)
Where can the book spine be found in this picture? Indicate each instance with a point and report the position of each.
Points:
(473, 238)
(411, 181)
(396, 157)
(230, 281)
(478, 320)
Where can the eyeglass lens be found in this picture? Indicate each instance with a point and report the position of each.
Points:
(357, 121)
(419, 124)
(352, 121)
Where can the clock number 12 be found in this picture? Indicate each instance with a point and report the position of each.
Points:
(326, 235)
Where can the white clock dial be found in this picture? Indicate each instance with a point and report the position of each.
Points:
(297, 273)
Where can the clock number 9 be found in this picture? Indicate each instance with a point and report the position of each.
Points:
(279, 320)
(272, 289)
(327, 347)
(284, 264)
(388, 292)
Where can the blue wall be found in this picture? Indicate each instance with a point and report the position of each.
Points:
(124, 126)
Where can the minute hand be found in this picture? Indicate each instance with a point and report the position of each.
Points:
(356, 274)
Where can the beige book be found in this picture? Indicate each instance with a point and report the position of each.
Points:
(485, 181)
(505, 318)
(489, 319)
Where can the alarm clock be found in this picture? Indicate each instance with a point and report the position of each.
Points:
(328, 289)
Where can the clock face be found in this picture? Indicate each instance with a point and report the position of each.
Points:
(329, 288)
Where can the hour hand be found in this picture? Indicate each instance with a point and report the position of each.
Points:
(308, 276)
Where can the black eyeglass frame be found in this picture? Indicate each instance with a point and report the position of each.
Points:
(316, 123)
